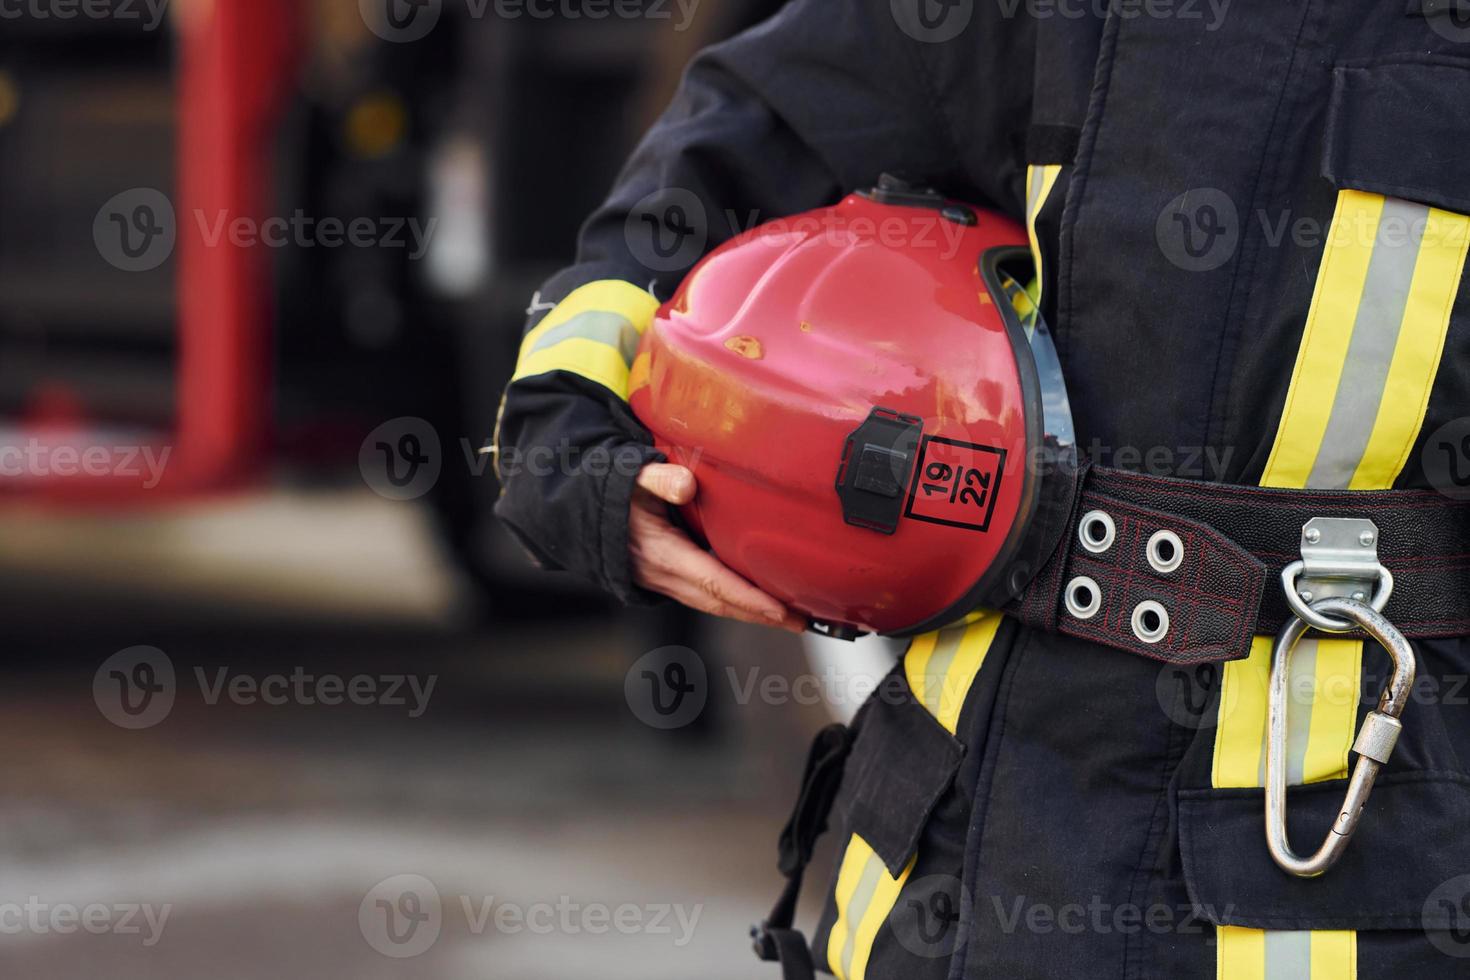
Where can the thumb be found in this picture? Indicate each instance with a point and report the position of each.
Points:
(668, 482)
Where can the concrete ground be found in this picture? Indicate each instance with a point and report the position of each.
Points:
(517, 820)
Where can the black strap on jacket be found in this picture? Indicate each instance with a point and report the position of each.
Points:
(1236, 541)
(775, 939)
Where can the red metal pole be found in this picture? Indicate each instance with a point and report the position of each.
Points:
(235, 66)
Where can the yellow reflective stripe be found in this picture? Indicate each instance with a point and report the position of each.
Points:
(941, 666)
(1242, 954)
(849, 873)
(1334, 709)
(1255, 954)
(957, 682)
(555, 344)
(1346, 422)
(1334, 955)
(1039, 183)
(603, 296)
(916, 663)
(1240, 735)
(591, 359)
(884, 898)
(638, 373)
(866, 894)
(1437, 275)
(1324, 345)
(1321, 719)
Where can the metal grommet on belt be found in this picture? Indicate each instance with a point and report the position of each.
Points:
(1165, 552)
(1150, 621)
(1096, 531)
(1083, 597)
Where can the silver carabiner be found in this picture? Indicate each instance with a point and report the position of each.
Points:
(1374, 744)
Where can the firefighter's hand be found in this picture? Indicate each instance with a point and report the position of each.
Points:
(666, 561)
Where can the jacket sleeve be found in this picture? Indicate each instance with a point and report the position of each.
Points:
(814, 103)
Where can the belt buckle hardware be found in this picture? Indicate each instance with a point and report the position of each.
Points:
(1329, 589)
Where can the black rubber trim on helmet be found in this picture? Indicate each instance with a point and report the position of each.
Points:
(1046, 494)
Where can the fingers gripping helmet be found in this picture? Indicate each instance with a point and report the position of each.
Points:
(875, 424)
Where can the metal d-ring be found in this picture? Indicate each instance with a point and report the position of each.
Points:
(1382, 590)
(1374, 743)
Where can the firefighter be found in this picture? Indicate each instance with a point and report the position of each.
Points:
(1248, 227)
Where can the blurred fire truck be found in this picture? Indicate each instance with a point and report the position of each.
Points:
(238, 236)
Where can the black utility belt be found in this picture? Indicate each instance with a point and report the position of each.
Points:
(1187, 572)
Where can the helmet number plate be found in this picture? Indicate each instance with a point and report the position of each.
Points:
(956, 483)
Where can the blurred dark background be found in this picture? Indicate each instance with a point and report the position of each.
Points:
(265, 652)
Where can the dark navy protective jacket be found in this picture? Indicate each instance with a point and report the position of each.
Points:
(1249, 218)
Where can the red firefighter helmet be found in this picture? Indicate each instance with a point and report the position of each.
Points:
(874, 426)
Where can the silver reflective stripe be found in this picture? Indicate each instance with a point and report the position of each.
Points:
(1288, 956)
(1033, 193)
(936, 671)
(1302, 694)
(862, 897)
(605, 328)
(1396, 245)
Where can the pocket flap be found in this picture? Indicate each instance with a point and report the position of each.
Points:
(1412, 839)
(902, 762)
(1391, 128)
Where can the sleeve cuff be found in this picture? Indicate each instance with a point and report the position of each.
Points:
(617, 502)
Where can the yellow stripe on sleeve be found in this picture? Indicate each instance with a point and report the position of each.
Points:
(592, 333)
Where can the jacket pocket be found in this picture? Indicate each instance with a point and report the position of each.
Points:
(1411, 841)
(902, 763)
(1397, 128)
(898, 783)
